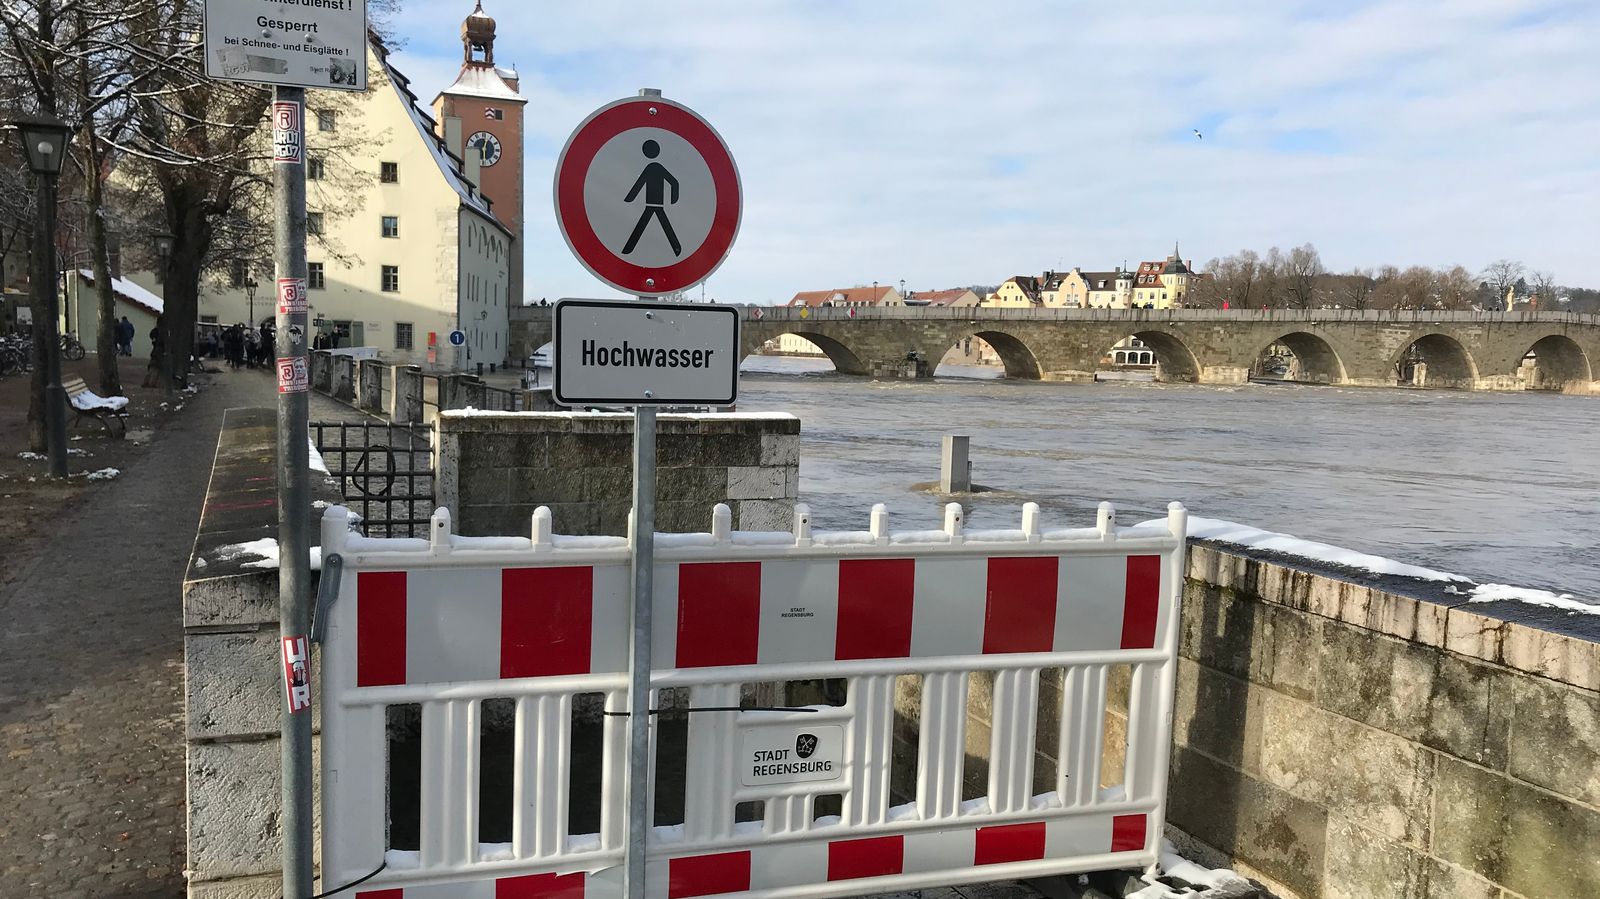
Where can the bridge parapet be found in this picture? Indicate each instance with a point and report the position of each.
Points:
(1469, 350)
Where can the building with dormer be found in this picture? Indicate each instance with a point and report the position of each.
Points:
(412, 236)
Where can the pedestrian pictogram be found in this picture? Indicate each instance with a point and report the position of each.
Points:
(654, 177)
(648, 196)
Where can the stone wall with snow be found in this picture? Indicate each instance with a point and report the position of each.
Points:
(1345, 741)
(496, 468)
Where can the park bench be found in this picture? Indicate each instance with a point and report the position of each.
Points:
(88, 404)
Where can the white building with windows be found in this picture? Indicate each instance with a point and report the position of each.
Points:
(412, 248)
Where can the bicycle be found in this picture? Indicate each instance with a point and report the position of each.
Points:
(71, 347)
(16, 355)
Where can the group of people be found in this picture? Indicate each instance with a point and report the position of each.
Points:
(124, 334)
(246, 346)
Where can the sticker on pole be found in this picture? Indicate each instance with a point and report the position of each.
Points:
(293, 376)
(787, 755)
(633, 353)
(291, 296)
(288, 132)
(297, 673)
(647, 196)
(297, 43)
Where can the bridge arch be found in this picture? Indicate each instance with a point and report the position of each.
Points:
(1316, 358)
(844, 359)
(1174, 360)
(1015, 355)
(1558, 363)
(1443, 360)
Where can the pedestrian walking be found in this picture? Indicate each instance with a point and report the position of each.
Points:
(124, 335)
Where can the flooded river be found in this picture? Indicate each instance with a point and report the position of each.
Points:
(1499, 487)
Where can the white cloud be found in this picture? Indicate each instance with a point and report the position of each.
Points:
(949, 143)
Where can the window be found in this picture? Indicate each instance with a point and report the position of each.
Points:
(314, 276)
(325, 120)
(389, 172)
(236, 273)
(391, 278)
(391, 226)
(314, 223)
(314, 171)
(402, 335)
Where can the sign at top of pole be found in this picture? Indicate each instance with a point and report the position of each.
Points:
(318, 44)
(647, 196)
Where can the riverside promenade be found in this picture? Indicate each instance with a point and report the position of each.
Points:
(91, 661)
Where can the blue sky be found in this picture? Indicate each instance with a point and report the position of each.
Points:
(947, 142)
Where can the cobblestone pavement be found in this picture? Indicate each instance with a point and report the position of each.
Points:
(91, 677)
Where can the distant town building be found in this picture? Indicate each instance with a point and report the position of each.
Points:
(1097, 290)
(961, 296)
(1164, 283)
(849, 296)
(1016, 292)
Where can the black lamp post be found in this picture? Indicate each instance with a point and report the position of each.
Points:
(44, 141)
(250, 285)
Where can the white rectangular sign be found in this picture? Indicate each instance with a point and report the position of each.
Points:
(319, 44)
(638, 353)
(795, 754)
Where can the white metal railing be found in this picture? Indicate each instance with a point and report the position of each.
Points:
(451, 622)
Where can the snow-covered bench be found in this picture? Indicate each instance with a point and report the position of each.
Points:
(104, 409)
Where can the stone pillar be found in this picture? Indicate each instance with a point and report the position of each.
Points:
(405, 399)
(369, 396)
(321, 362)
(344, 378)
(955, 470)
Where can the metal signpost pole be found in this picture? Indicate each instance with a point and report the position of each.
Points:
(294, 489)
(644, 560)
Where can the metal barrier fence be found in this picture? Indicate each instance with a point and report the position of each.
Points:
(385, 472)
(496, 399)
(777, 802)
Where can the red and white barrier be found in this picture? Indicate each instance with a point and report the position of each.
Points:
(450, 621)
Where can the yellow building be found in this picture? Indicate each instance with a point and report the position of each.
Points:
(1019, 292)
(1097, 290)
(1164, 283)
(415, 247)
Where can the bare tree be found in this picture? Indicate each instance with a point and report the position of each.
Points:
(1232, 279)
(1501, 276)
(1302, 269)
(1354, 289)
(1545, 290)
(1272, 278)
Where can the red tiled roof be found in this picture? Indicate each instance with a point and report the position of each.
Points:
(840, 295)
(940, 297)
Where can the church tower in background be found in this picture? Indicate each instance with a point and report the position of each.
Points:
(481, 115)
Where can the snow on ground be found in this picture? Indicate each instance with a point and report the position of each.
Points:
(316, 458)
(104, 474)
(1255, 538)
(266, 552)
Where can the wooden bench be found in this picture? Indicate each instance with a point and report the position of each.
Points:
(88, 404)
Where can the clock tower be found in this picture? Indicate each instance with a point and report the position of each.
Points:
(481, 114)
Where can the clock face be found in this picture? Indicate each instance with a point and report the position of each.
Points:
(487, 144)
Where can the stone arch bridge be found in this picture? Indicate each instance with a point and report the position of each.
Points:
(1464, 350)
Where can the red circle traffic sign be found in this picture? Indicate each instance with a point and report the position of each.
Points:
(647, 196)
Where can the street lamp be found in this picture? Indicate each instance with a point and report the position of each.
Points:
(250, 285)
(44, 141)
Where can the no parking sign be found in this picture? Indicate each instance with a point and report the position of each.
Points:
(647, 196)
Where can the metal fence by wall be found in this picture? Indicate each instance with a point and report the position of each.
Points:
(385, 472)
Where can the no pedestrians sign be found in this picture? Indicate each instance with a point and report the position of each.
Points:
(647, 196)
